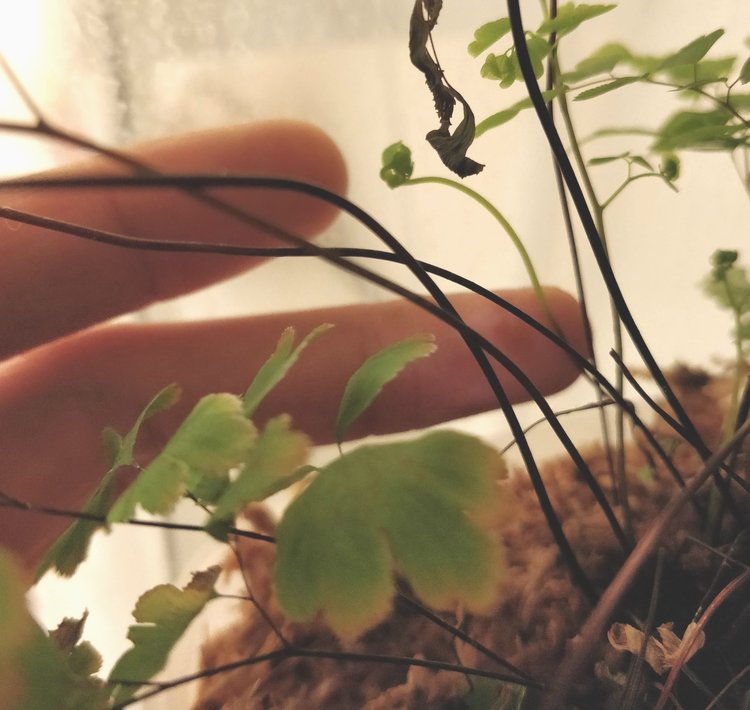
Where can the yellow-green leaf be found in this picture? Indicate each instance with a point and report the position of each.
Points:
(274, 463)
(163, 614)
(606, 88)
(570, 15)
(71, 548)
(214, 438)
(501, 117)
(421, 508)
(602, 61)
(692, 52)
(489, 33)
(277, 366)
(379, 369)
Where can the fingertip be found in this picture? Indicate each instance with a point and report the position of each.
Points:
(562, 369)
(286, 148)
(308, 147)
(549, 367)
(569, 316)
(299, 151)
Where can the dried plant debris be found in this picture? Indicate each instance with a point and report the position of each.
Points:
(451, 147)
(661, 653)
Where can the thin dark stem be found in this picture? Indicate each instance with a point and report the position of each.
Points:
(740, 547)
(718, 698)
(718, 553)
(635, 672)
(55, 133)
(284, 654)
(7, 501)
(254, 600)
(660, 411)
(561, 413)
(619, 476)
(743, 411)
(724, 104)
(573, 247)
(461, 635)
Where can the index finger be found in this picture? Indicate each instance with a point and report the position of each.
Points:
(53, 284)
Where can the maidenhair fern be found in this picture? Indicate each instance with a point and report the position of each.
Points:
(425, 509)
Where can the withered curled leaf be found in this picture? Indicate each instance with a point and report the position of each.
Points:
(661, 653)
(451, 147)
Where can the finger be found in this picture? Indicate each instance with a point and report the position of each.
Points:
(54, 403)
(53, 284)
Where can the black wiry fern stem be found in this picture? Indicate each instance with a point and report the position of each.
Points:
(587, 221)
(193, 183)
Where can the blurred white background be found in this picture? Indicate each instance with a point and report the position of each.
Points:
(123, 71)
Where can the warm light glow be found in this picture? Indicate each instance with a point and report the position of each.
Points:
(22, 47)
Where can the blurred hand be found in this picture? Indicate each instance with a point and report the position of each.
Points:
(67, 373)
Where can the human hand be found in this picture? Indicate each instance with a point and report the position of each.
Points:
(67, 373)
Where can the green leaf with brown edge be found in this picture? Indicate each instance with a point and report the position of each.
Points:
(214, 438)
(84, 659)
(424, 509)
(570, 16)
(377, 371)
(275, 462)
(66, 682)
(71, 548)
(163, 615)
(34, 673)
(68, 633)
(278, 365)
(692, 52)
(489, 33)
(81, 657)
(451, 147)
